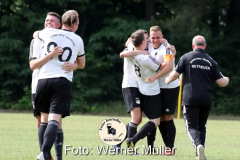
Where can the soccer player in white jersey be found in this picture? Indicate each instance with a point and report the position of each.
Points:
(52, 21)
(169, 102)
(169, 93)
(145, 66)
(54, 90)
(130, 94)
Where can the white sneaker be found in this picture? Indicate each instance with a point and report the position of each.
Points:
(200, 152)
(40, 156)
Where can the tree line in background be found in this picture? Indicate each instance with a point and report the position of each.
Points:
(104, 27)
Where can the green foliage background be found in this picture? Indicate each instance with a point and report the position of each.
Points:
(104, 26)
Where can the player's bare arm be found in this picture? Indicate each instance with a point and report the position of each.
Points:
(168, 65)
(173, 76)
(81, 62)
(164, 71)
(132, 53)
(153, 78)
(36, 63)
(78, 64)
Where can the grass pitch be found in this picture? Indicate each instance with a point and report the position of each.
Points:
(18, 139)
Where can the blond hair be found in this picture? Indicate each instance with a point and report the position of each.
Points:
(70, 17)
(155, 29)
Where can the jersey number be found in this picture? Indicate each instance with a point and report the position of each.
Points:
(64, 49)
(137, 71)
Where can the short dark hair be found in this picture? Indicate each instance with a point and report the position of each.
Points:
(138, 37)
(55, 15)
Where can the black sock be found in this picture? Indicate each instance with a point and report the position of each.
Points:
(163, 130)
(132, 129)
(49, 136)
(59, 144)
(171, 133)
(145, 130)
(41, 131)
(119, 145)
(151, 138)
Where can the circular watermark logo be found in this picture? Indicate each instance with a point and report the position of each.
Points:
(112, 131)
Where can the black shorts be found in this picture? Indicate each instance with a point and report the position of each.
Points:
(151, 105)
(131, 98)
(35, 112)
(54, 96)
(169, 99)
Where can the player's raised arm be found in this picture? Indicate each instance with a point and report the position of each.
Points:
(132, 53)
(168, 66)
(173, 49)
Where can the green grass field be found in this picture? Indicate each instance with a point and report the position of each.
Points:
(18, 139)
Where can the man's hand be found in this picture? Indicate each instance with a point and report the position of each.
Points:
(163, 40)
(35, 34)
(56, 51)
(167, 80)
(173, 49)
(69, 67)
(128, 41)
(173, 76)
(150, 79)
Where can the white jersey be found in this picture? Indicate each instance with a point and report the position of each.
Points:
(72, 45)
(129, 79)
(146, 66)
(150, 47)
(35, 53)
(159, 54)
